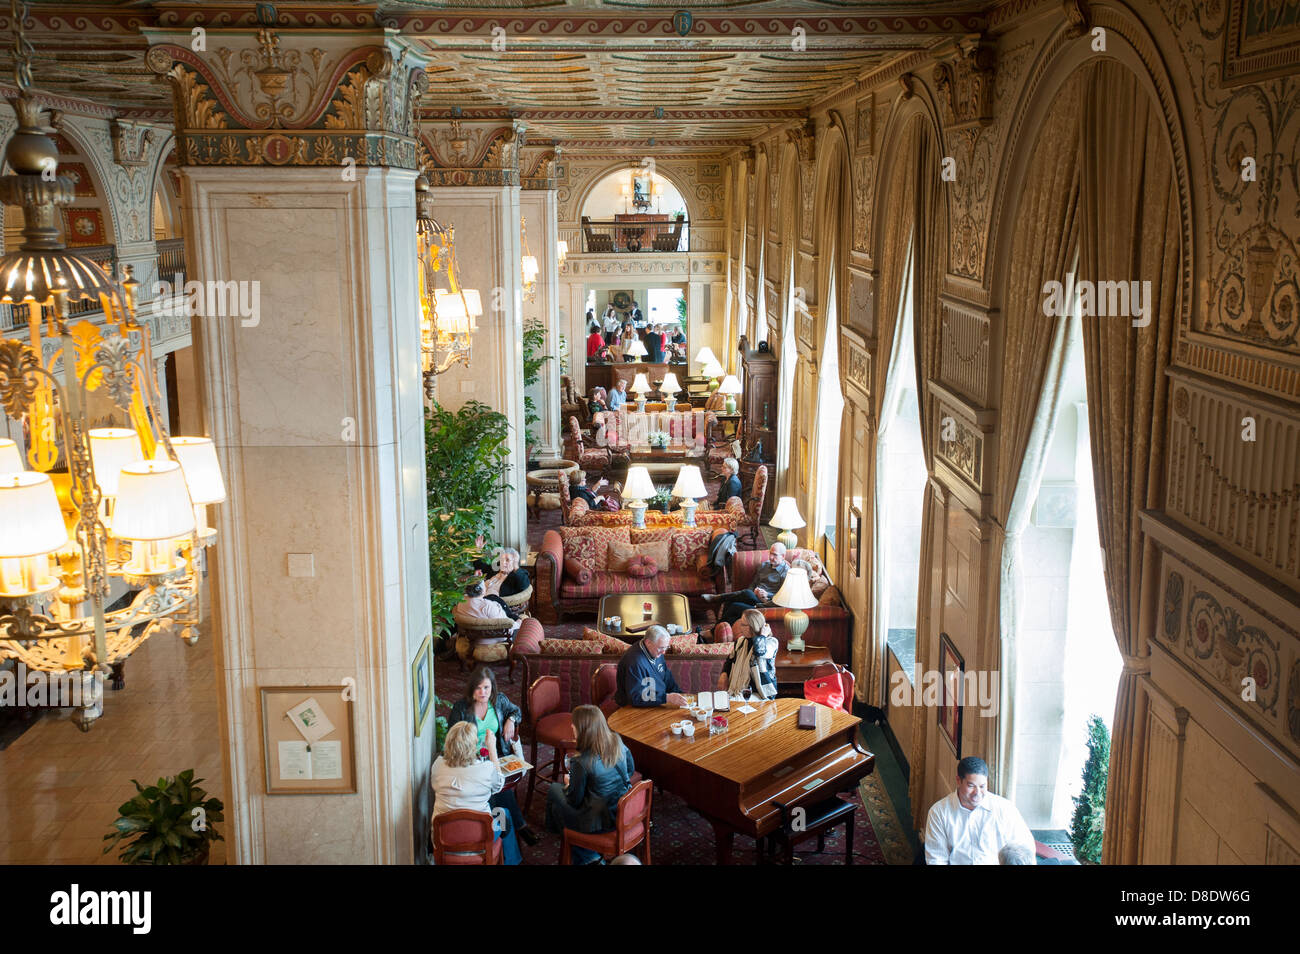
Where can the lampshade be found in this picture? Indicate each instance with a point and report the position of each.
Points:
(10, 460)
(638, 485)
(562, 250)
(730, 385)
(456, 310)
(31, 523)
(111, 449)
(152, 502)
(641, 384)
(198, 459)
(787, 515)
(531, 268)
(670, 384)
(689, 483)
(794, 592)
(706, 356)
(636, 350)
(712, 369)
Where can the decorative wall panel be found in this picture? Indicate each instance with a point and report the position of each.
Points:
(964, 352)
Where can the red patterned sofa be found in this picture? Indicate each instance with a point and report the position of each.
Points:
(557, 594)
(830, 623)
(729, 517)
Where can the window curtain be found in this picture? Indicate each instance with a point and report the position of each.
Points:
(1046, 237)
(1129, 230)
(895, 262)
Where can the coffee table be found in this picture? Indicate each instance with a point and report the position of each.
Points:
(665, 608)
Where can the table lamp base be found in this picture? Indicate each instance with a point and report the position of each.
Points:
(796, 624)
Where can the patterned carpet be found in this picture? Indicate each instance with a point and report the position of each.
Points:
(679, 835)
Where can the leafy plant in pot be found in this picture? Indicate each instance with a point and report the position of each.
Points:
(661, 501)
(169, 823)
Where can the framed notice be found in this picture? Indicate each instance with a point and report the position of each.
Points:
(952, 672)
(308, 740)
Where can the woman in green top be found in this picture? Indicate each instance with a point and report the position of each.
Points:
(490, 711)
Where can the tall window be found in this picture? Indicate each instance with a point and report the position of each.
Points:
(785, 369)
(830, 414)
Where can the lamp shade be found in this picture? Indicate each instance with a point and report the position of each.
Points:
(31, 523)
(198, 459)
(689, 483)
(111, 449)
(638, 485)
(562, 250)
(530, 269)
(641, 384)
(670, 384)
(730, 385)
(10, 460)
(706, 356)
(794, 592)
(787, 516)
(152, 502)
(713, 369)
(636, 349)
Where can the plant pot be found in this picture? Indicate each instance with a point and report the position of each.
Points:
(200, 858)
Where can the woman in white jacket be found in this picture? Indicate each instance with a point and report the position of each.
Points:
(461, 780)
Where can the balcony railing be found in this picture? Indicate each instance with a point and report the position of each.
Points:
(171, 260)
(635, 233)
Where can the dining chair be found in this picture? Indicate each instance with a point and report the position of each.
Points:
(604, 684)
(465, 837)
(631, 829)
(550, 726)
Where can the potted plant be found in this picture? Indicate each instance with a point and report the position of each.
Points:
(169, 823)
(661, 501)
(657, 439)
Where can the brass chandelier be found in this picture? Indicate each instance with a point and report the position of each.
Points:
(86, 512)
(449, 316)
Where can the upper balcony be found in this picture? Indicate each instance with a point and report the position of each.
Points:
(636, 232)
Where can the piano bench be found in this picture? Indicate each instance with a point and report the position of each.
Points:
(815, 820)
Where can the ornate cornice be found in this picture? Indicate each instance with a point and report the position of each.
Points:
(966, 84)
(804, 139)
(254, 103)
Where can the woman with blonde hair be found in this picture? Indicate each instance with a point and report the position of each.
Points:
(599, 775)
(460, 780)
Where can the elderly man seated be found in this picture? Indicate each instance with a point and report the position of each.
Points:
(476, 605)
(643, 678)
(771, 574)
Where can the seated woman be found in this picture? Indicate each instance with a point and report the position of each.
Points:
(730, 486)
(751, 662)
(598, 501)
(460, 781)
(476, 605)
(599, 402)
(493, 715)
(600, 773)
(503, 576)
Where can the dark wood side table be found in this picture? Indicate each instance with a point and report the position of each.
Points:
(794, 669)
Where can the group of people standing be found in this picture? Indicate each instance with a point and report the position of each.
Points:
(663, 342)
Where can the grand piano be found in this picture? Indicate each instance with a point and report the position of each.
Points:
(733, 778)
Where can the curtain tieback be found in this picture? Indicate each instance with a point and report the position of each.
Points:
(1136, 665)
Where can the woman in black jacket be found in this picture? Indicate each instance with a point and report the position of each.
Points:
(489, 711)
(730, 486)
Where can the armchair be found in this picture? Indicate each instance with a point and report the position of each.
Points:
(754, 507)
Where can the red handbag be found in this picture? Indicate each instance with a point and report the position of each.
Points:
(829, 690)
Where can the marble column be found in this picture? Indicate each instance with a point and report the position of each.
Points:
(488, 250)
(537, 206)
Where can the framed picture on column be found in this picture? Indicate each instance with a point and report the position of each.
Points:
(422, 685)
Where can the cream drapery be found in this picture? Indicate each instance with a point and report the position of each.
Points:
(1045, 241)
(1128, 231)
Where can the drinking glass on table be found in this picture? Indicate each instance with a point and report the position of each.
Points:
(746, 693)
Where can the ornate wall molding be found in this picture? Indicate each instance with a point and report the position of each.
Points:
(659, 264)
(960, 435)
(964, 350)
(256, 103)
(965, 83)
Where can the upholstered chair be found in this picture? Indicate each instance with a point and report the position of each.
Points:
(465, 837)
(631, 829)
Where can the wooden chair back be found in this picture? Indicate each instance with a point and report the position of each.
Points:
(465, 837)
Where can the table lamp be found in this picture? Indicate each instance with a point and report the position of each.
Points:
(670, 387)
(787, 520)
(796, 596)
(690, 487)
(730, 387)
(706, 357)
(636, 350)
(637, 489)
(714, 370)
(641, 387)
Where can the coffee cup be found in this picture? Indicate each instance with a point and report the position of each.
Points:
(676, 728)
(688, 730)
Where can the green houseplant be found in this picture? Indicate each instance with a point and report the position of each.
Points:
(534, 343)
(169, 823)
(662, 500)
(1089, 822)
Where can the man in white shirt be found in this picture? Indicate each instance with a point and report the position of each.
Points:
(612, 326)
(970, 826)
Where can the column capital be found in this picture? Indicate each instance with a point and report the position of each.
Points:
(247, 97)
(471, 153)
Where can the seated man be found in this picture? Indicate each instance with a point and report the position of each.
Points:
(771, 574)
(643, 678)
(597, 501)
(972, 825)
(476, 605)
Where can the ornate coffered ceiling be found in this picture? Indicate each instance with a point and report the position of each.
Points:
(630, 74)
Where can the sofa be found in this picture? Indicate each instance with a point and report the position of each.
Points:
(558, 591)
(579, 514)
(830, 622)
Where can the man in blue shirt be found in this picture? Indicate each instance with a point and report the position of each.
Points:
(618, 394)
(643, 678)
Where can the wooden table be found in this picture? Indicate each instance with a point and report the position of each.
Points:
(794, 669)
(664, 608)
(733, 778)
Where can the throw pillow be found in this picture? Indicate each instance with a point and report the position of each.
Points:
(621, 553)
(642, 567)
(610, 645)
(577, 571)
(713, 649)
(683, 644)
(570, 647)
(599, 537)
(687, 546)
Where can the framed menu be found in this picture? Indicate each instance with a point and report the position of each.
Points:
(308, 740)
